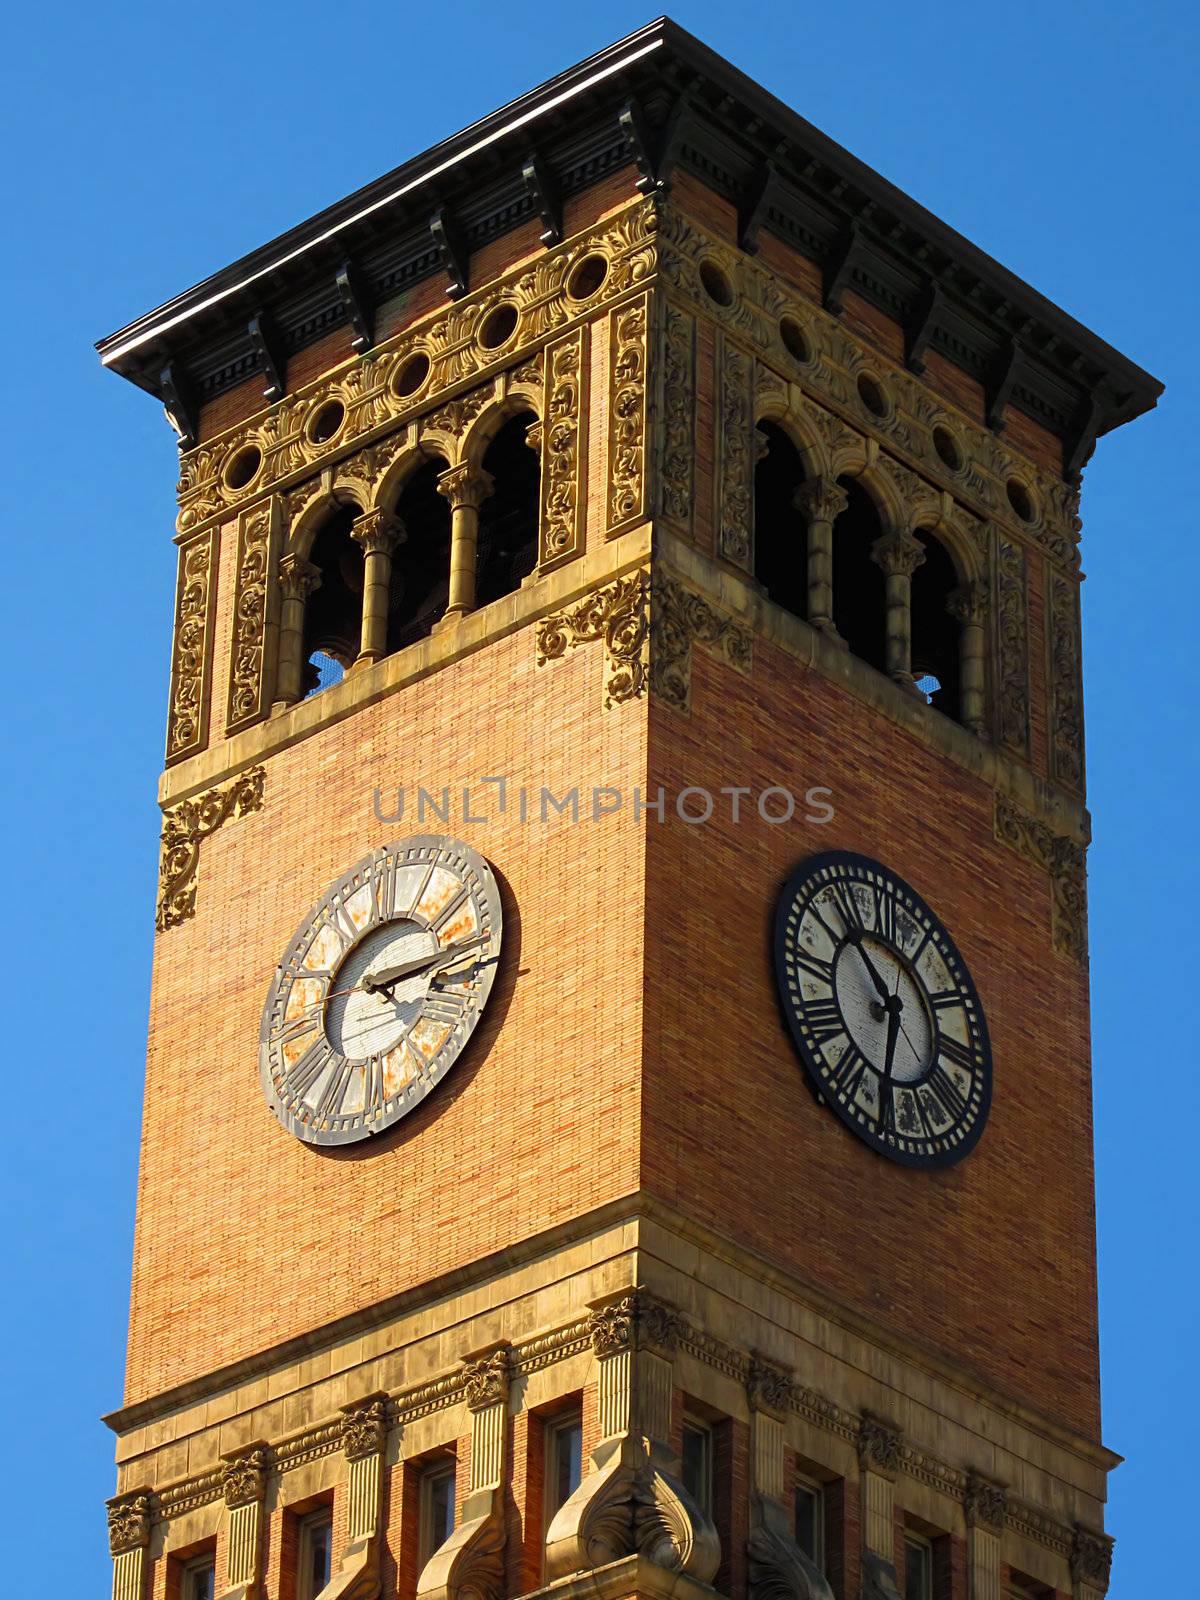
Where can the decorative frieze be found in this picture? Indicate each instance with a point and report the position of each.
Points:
(1066, 862)
(679, 620)
(185, 827)
(564, 450)
(618, 613)
(1065, 685)
(419, 371)
(191, 652)
(627, 415)
(255, 616)
(1012, 645)
(677, 471)
(734, 492)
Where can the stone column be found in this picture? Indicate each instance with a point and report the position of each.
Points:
(779, 1569)
(466, 488)
(364, 1441)
(879, 1447)
(298, 579)
(822, 501)
(899, 554)
(631, 1500)
(244, 1484)
(1091, 1563)
(968, 606)
(985, 1505)
(471, 1562)
(128, 1540)
(377, 533)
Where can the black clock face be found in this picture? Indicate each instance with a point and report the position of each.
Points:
(882, 1010)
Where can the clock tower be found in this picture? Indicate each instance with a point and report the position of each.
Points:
(618, 1115)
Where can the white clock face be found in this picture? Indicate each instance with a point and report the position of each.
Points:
(380, 989)
(882, 1010)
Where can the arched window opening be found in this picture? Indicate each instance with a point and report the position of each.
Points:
(780, 542)
(509, 517)
(935, 630)
(420, 583)
(333, 614)
(859, 605)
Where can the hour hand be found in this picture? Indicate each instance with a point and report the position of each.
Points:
(872, 970)
(384, 981)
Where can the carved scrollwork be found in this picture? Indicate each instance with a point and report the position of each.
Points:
(185, 827)
(486, 1380)
(244, 1476)
(250, 658)
(1066, 694)
(627, 416)
(129, 1521)
(618, 614)
(670, 1529)
(1012, 644)
(564, 449)
(636, 1320)
(195, 606)
(984, 1503)
(778, 1568)
(735, 458)
(1065, 861)
(679, 620)
(1091, 1558)
(678, 416)
(880, 1446)
(470, 1565)
(364, 1428)
(768, 1387)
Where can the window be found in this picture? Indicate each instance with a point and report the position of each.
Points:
(315, 1564)
(509, 517)
(421, 565)
(437, 1508)
(810, 1522)
(564, 1461)
(333, 613)
(198, 1580)
(780, 540)
(936, 645)
(697, 1460)
(859, 610)
(918, 1568)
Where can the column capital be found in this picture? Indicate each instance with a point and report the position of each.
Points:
(129, 1521)
(298, 578)
(633, 1320)
(364, 1427)
(1091, 1558)
(985, 1503)
(898, 553)
(821, 499)
(244, 1475)
(879, 1445)
(968, 603)
(769, 1387)
(487, 1378)
(377, 532)
(465, 485)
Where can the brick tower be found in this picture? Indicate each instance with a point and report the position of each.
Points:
(618, 1110)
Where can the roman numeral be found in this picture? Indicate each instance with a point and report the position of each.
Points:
(946, 1000)
(961, 1054)
(334, 1090)
(309, 1068)
(848, 1073)
(847, 906)
(816, 966)
(885, 915)
(443, 1005)
(946, 1092)
(885, 1124)
(824, 1019)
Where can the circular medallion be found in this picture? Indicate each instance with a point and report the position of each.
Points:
(380, 989)
(882, 1010)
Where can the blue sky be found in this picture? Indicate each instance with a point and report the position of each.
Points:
(148, 146)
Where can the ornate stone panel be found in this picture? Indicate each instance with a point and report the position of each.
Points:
(1065, 687)
(627, 415)
(191, 653)
(680, 619)
(734, 495)
(255, 605)
(1066, 862)
(185, 827)
(1012, 645)
(677, 472)
(616, 613)
(421, 369)
(564, 449)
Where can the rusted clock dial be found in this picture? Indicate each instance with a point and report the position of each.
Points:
(882, 1010)
(380, 989)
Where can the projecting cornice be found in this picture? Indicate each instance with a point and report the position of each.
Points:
(656, 102)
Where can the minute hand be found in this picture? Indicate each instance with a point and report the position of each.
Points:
(405, 969)
(872, 969)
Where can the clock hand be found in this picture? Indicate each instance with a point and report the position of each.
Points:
(374, 982)
(894, 1003)
(854, 937)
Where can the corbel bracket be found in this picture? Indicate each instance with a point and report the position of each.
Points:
(1081, 440)
(450, 247)
(543, 192)
(1004, 376)
(655, 157)
(180, 407)
(756, 206)
(918, 335)
(268, 355)
(839, 264)
(358, 312)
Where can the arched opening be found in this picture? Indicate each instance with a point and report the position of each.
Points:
(780, 542)
(859, 604)
(420, 583)
(509, 517)
(333, 613)
(936, 648)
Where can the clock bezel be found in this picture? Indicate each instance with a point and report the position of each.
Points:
(475, 870)
(800, 875)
